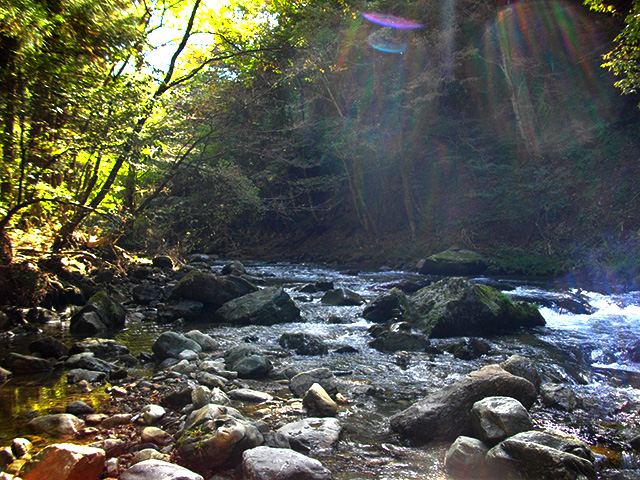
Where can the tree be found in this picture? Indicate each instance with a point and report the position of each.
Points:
(624, 59)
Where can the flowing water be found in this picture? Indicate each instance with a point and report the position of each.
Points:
(588, 352)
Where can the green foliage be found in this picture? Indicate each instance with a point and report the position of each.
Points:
(624, 59)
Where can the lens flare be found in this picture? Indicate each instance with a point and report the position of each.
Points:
(384, 41)
(391, 21)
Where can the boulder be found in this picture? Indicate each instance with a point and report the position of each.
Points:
(101, 309)
(266, 463)
(189, 310)
(445, 414)
(465, 459)
(65, 461)
(213, 291)
(216, 436)
(522, 367)
(541, 456)
(156, 436)
(387, 306)
(496, 418)
(265, 307)
(17, 363)
(453, 262)
(302, 382)
(318, 402)
(171, 344)
(398, 337)
(59, 425)
(303, 343)
(312, 434)
(48, 347)
(151, 414)
(249, 395)
(341, 297)
(455, 307)
(158, 470)
(248, 362)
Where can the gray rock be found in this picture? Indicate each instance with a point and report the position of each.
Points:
(522, 367)
(234, 267)
(88, 361)
(88, 323)
(200, 396)
(158, 470)
(188, 310)
(20, 447)
(303, 343)
(206, 342)
(312, 434)
(266, 463)
(496, 418)
(455, 307)
(60, 425)
(211, 290)
(216, 436)
(541, 456)
(171, 344)
(151, 414)
(268, 306)
(149, 454)
(249, 395)
(465, 459)
(302, 382)
(210, 380)
(445, 414)
(248, 362)
(156, 436)
(341, 297)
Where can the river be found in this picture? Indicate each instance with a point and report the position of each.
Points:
(588, 352)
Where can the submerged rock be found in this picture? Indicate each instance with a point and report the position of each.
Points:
(49, 347)
(445, 414)
(17, 363)
(455, 307)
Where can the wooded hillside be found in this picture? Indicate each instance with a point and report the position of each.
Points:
(307, 130)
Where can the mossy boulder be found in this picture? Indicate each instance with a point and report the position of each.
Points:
(455, 307)
(101, 313)
(453, 262)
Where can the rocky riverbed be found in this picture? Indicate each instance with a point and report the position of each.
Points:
(215, 370)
